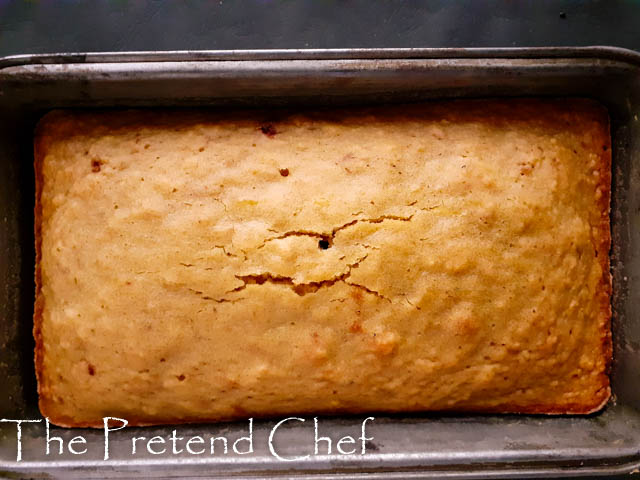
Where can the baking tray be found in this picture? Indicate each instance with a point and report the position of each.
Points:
(403, 446)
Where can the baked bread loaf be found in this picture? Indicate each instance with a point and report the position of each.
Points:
(204, 266)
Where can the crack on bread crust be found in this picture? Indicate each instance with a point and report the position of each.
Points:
(331, 235)
(303, 288)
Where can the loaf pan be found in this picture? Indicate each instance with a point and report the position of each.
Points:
(402, 446)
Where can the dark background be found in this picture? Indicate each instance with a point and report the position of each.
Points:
(118, 25)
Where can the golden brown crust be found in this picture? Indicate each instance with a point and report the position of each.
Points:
(540, 409)
(503, 328)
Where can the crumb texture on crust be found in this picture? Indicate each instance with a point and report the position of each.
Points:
(214, 265)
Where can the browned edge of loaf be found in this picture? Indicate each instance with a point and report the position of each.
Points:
(602, 244)
(543, 410)
(601, 241)
(40, 145)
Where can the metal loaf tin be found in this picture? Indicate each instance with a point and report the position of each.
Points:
(412, 446)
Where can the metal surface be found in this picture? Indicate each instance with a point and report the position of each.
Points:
(412, 446)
